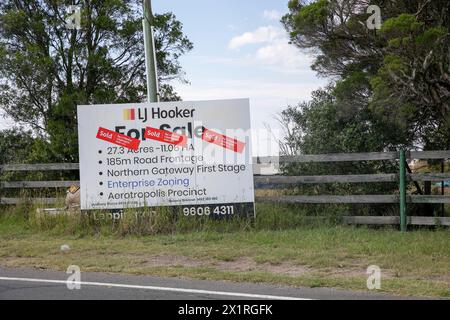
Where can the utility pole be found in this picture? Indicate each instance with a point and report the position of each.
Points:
(150, 56)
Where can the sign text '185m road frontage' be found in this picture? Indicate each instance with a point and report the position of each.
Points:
(193, 155)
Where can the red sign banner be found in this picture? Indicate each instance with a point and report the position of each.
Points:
(118, 138)
(223, 141)
(166, 136)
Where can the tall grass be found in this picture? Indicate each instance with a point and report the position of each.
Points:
(152, 221)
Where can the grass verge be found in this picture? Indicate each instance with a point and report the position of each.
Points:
(293, 251)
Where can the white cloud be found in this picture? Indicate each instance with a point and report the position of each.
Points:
(274, 51)
(284, 56)
(260, 35)
(272, 15)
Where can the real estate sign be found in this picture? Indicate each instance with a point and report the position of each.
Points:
(196, 155)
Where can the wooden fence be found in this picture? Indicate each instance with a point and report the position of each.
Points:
(262, 181)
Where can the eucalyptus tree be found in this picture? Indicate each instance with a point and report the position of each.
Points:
(51, 60)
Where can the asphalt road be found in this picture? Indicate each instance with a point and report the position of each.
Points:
(40, 284)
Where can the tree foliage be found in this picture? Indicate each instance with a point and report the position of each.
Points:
(397, 77)
(46, 69)
(15, 145)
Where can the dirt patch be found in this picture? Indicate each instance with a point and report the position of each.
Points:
(247, 264)
(443, 278)
(356, 273)
(172, 260)
(242, 264)
(286, 269)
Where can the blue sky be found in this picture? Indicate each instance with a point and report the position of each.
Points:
(241, 50)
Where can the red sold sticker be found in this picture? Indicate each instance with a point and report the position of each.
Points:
(223, 141)
(166, 136)
(118, 138)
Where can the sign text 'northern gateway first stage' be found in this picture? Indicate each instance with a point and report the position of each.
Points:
(196, 155)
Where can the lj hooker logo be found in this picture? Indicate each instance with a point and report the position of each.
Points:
(130, 114)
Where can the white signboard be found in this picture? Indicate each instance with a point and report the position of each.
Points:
(196, 155)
